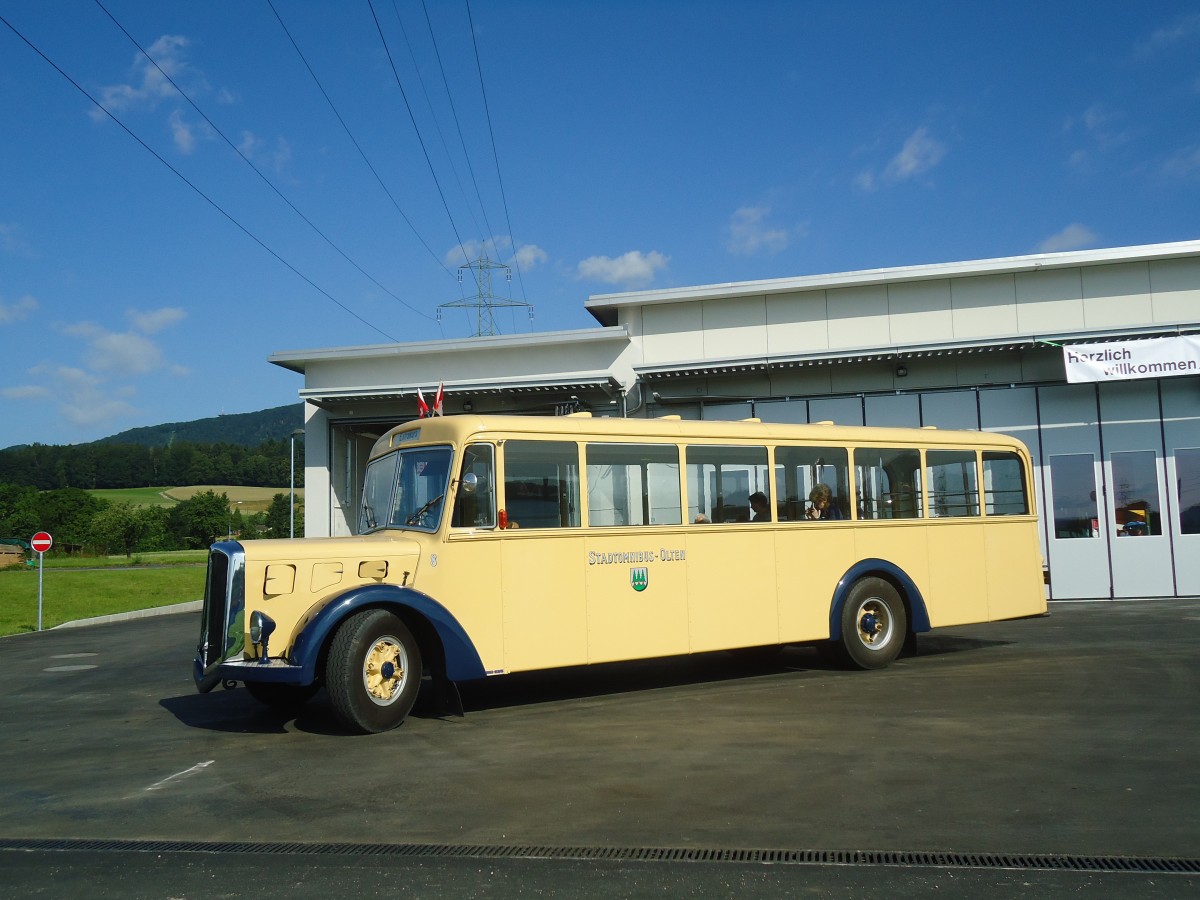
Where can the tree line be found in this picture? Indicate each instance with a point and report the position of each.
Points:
(80, 521)
(107, 465)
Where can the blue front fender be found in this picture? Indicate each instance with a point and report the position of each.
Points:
(462, 660)
(881, 568)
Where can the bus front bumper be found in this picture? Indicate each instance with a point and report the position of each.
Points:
(273, 671)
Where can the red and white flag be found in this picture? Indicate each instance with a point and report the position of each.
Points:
(422, 406)
(437, 401)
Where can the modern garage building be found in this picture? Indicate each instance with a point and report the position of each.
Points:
(1092, 358)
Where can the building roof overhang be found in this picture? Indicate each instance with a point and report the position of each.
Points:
(575, 382)
(604, 306)
(300, 360)
(766, 363)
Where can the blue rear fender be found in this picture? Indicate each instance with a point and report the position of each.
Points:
(918, 616)
(428, 620)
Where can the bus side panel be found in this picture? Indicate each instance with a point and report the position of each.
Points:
(1013, 558)
(637, 603)
(902, 543)
(732, 597)
(467, 579)
(810, 559)
(957, 588)
(545, 613)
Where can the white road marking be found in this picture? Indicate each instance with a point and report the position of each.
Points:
(76, 668)
(196, 768)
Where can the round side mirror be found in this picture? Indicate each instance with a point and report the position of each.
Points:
(470, 483)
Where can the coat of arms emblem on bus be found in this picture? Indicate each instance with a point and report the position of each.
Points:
(639, 578)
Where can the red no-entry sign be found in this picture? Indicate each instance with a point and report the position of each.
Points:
(41, 542)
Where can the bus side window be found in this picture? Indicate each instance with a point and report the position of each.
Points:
(633, 484)
(476, 508)
(953, 483)
(721, 479)
(889, 482)
(1004, 491)
(798, 470)
(541, 484)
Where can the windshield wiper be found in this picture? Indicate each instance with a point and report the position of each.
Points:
(415, 518)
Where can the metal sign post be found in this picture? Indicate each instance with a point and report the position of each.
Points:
(41, 542)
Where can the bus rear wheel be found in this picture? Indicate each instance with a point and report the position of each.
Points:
(874, 624)
(373, 672)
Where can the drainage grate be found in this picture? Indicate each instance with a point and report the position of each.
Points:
(912, 858)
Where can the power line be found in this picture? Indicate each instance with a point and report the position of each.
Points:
(185, 180)
(416, 128)
(354, 140)
(454, 112)
(495, 155)
(436, 124)
(255, 168)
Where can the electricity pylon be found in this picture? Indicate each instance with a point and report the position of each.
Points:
(485, 302)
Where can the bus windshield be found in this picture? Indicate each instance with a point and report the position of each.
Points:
(405, 490)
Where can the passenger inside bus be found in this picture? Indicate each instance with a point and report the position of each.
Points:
(760, 507)
(823, 507)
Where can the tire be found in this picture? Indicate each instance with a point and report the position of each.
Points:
(373, 672)
(874, 624)
(285, 697)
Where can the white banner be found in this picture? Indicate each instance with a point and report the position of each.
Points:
(1128, 360)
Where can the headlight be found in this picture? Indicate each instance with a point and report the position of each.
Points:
(262, 627)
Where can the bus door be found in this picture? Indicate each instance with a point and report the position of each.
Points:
(732, 594)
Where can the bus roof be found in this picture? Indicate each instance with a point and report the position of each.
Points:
(459, 428)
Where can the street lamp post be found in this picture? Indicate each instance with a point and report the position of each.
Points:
(299, 432)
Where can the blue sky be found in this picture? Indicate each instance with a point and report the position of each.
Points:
(148, 268)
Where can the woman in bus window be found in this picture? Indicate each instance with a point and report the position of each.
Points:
(821, 498)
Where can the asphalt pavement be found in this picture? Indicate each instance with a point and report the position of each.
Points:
(1009, 759)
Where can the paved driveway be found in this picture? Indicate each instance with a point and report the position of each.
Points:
(1071, 737)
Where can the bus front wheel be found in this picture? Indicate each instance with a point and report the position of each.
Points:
(373, 672)
(874, 624)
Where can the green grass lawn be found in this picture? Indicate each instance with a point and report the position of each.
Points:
(156, 558)
(146, 496)
(69, 594)
(247, 499)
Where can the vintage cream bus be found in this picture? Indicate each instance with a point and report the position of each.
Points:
(489, 545)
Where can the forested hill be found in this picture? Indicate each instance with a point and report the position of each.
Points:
(243, 449)
(240, 429)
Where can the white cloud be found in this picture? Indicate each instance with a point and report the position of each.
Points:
(10, 242)
(255, 148)
(1073, 237)
(26, 392)
(749, 233)
(117, 353)
(81, 397)
(529, 256)
(149, 85)
(100, 393)
(156, 319)
(497, 248)
(127, 353)
(632, 270)
(919, 154)
(18, 310)
(1162, 39)
(181, 132)
(1184, 164)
